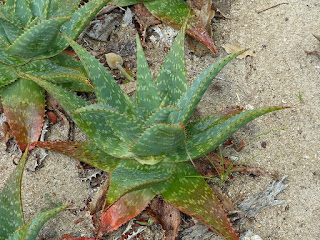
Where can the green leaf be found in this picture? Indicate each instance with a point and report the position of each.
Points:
(59, 8)
(204, 142)
(123, 3)
(190, 99)
(81, 18)
(23, 103)
(68, 77)
(39, 8)
(188, 192)
(68, 100)
(31, 229)
(106, 88)
(12, 60)
(148, 98)
(122, 126)
(160, 116)
(11, 214)
(38, 39)
(159, 139)
(22, 12)
(8, 75)
(11, 29)
(130, 175)
(172, 80)
(126, 208)
(210, 121)
(83, 151)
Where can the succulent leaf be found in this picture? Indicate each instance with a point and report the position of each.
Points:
(11, 214)
(23, 103)
(31, 230)
(160, 116)
(126, 208)
(84, 151)
(204, 142)
(21, 11)
(37, 40)
(8, 75)
(122, 126)
(148, 98)
(190, 99)
(106, 88)
(60, 8)
(172, 80)
(159, 139)
(39, 8)
(188, 192)
(68, 77)
(210, 121)
(12, 30)
(130, 175)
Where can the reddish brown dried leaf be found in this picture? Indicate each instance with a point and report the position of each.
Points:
(126, 208)
(23, 103)
(166, 215)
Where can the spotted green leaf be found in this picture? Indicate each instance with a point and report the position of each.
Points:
(38, 39)
(159, 139)
(188, 192)
(190, 99)
(12, 223)
(148, 98)
(208, 140)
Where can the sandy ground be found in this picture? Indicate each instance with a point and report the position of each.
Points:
(281, 69)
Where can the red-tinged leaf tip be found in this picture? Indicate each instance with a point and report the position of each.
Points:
(126, 208)
(198, 31)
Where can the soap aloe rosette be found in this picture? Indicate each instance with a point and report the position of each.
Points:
(31, 42)
(146, 142)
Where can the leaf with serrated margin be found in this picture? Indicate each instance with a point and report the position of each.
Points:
(188, 192)
(122, 126)
(148, 98)
(172, 80)
(68, 77)
(31, 230)
(11, 29)
(68, 100)
(106, 88)
(12, 60)
(23, 103)
(59, 8)
(21, 11)
(174, 13)
(38, 39)
(210, 121)
(8, 75)
(126, 208)
(83, 151)
(123, 3)
(190, 99)
(161, 115)
(159, 139)
(204, 142)
(11, 214)
(64, 60)
(130, 175)
(39, 8)
(81, 18)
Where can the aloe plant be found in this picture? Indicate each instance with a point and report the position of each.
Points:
(31, 42)
(12, 224)
(147, 142)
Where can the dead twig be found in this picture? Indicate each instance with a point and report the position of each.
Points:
(261, 11)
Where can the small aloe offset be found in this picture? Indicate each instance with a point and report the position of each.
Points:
(147, 143)
(31, 42)
(12, 224)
